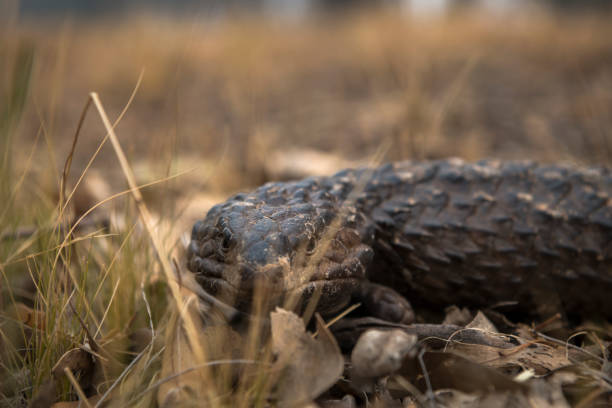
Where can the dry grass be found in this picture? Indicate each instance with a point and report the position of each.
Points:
(226, 95)
(459, 86)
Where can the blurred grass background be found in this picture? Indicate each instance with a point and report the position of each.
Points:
(227, 96)
(533, 85)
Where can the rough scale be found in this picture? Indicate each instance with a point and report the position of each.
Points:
(437, 232)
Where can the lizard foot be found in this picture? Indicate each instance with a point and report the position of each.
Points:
(384, 303)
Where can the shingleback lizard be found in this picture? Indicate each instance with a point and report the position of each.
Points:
(436, 232)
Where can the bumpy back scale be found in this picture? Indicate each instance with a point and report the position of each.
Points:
(438, 232)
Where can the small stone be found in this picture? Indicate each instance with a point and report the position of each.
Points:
(381, 352)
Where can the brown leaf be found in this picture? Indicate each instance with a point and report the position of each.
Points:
(140, 339)
(348, 401)
(542, 358)
(47, 394)
(482, 322)
(446, 370)
(76, 360)
(548, 393)
(104, 360)
(92, 401)
(309, 366)
(456, 315)
(30, 317)
(453, 398)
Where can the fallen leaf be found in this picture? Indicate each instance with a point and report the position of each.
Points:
(348, 401)
(446, 370)
(456, 315)
(75, 359)
(482, 322)
(453, 398)
(78, 361)
(92, 401)
(547, 393)
(46, 395)
(30, 317)
(140, 339)
(309, 366)
(540, 357)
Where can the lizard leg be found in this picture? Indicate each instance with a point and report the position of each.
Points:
(384, 303)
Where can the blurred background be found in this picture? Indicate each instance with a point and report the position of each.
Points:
(238, 93)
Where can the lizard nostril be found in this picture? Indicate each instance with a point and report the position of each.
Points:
(311, 246)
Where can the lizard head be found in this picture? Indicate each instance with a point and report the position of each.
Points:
(290, 241)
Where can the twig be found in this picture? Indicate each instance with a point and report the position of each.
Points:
(68, 161)
(146, 219)
(430, 394)
(28, 231)
(569, 345)
(77, 387)
(194, 368)
(547, 322)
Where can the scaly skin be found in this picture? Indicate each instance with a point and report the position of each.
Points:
(439, 233)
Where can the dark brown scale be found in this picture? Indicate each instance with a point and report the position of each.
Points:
(440, 232)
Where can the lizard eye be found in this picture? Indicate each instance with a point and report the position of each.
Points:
(227, 240)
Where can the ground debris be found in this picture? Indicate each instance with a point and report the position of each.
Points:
(456, 315)
(473, 364)
(91, 401)
(83, 367)
(379, 353)
(310, 365)
(30, 317)
(184, 374)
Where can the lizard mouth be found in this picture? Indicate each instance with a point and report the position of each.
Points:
(330, 295)
(326, 273)
(283, 275)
